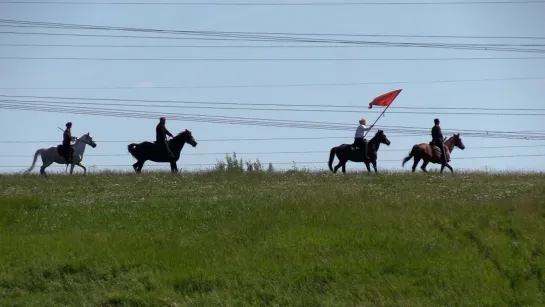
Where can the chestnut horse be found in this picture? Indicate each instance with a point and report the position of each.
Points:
(431, 153)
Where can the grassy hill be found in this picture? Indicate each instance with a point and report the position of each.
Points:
(276, 239)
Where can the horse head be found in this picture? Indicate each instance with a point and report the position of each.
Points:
(457, 141)
(186, 136)
(381, 138)
(87, 139)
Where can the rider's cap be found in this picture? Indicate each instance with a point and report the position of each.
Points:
(436, 120)
(68, 124)
(163, 118)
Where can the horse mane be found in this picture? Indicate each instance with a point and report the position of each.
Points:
(453, 137)
(375, 137)
(375, 141)
(182, 133)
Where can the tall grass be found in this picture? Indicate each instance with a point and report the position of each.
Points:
(241, 238)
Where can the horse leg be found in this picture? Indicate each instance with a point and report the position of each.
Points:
(336, 168)
(375, 166)
(368, 167)
(44, 166)
(423, 167)
(84, 168)
(344, 167)
(448, 166)
(135, 166)
(173, 167)
(71, 168)
(140, 165)
(415, 163)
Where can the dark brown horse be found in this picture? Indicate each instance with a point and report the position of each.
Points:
(345, 153)
(431, 153)
(154, 152)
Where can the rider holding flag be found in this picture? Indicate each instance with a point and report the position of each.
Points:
(359, 139)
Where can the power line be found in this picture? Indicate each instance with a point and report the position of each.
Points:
(271, 152)
(245, 34)
(274, 85)
(332, 124)
(271, 59)
(237, 36)
(268, 139)
(199, 105)
(219, 35)
(250, 36)
(294, 3)
(480, 47)
(285, 162)
(177, 102)
(374, 44)
(406, 131)
(205, 140)
(234, 39)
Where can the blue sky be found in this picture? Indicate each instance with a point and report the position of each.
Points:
(473, 20)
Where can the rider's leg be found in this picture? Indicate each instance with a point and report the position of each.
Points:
(443, 154)
(168, 150)
(66, 153)
(70, 154)
(363, 148)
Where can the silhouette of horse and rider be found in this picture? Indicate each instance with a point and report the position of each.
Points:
(437, 151)
(64, 154)
(162, 150)
(165, 150)
(360, 150)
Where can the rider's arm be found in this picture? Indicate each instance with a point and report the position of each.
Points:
(167, 132)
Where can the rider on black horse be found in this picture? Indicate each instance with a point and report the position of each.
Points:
(359, 140)
(67, 138)
(437, 139)
(161, 133)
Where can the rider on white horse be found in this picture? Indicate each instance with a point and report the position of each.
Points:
(67, 150)
(53, 154)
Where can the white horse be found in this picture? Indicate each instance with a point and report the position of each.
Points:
(51, 155)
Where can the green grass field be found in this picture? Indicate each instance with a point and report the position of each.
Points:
(272, 239)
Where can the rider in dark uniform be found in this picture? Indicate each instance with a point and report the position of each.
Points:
(437, 139)
(161, 133)
(67, 139)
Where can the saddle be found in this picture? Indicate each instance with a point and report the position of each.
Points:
(356, 147)
(437, 151)
(60, 149)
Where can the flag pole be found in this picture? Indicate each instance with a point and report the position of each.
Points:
(381, 114)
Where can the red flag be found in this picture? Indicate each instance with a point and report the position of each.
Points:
(385, 100)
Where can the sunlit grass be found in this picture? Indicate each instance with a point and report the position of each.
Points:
(268, 238)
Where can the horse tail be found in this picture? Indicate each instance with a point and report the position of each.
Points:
(411, 154)
(331, 157)
(38, 152)
(131, 149)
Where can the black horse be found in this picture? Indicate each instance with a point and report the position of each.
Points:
(157, 153)
(345, 153)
